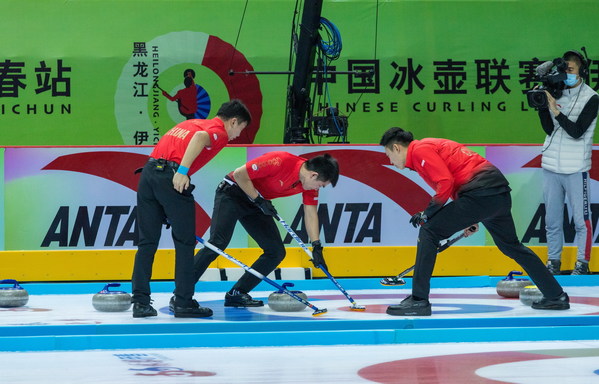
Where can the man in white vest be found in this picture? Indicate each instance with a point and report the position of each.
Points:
(569, 123)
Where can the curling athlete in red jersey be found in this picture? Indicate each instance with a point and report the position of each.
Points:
(164, 191)
(480, 193)
(245, 195)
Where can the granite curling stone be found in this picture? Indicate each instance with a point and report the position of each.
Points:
(530, 294)
(510, 287)
(111, 301)
(15, 296)
(281, 302)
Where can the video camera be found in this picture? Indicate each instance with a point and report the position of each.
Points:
(552, 75)
(332, 124)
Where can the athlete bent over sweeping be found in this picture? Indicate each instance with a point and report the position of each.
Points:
(480, 193)
(244, 195)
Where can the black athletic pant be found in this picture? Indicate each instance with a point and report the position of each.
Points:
(494, 212)
(157, 199)
(231, 205)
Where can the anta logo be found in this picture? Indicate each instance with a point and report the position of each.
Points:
(347, 223)
(72, 224)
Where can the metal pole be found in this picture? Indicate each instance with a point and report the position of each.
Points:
(298, 101)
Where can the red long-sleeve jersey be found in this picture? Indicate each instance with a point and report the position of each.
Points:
(276, 174)
(445, 165)
(173, 144)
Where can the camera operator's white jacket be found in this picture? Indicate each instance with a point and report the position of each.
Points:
(561, 152)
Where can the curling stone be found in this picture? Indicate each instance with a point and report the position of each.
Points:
(282, 302)
(15, 296)
(530, 294)
(510, 287)
(111, 301)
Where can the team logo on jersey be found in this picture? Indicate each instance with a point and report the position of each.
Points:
(255, 167)
(215, 136)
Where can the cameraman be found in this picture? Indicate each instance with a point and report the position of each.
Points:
(569, 123)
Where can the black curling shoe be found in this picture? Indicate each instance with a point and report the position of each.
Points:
(143, 310)
(410, 307)
(194, 310)
(241, 300)
(558, 303)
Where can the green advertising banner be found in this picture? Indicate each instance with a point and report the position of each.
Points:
(91, 72)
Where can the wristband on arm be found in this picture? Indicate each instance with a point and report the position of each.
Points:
(182, 170)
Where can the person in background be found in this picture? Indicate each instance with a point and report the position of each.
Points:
(186, 98)
(569, 123)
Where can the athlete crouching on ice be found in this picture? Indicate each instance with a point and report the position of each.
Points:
(480, 193)
(244, 195)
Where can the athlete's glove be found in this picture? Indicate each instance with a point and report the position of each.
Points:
(317, 258)
(265, 206)
(418, 219)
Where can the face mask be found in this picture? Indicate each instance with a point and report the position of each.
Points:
(571, 80)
